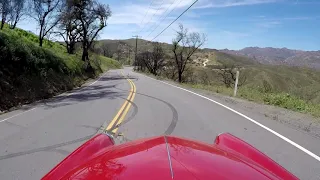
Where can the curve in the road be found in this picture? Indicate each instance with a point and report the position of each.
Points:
(114, 124)
(135, 112)
(248, 118)
(175, 116)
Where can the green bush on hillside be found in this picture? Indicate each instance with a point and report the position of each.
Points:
(27, 57)
(286, 101)
(29, 72)
(291, 102)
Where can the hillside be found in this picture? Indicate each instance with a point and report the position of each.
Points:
(293, 88)
(126, 48)
(280, 56)
(272, 76)
(29, 72)
(301, 82)
(247, 56)
(250, 55)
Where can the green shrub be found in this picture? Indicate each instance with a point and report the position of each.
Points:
(287, 101)
(267, 88)
(28, 56)
(29, 72)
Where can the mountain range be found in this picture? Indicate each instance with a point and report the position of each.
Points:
(267, 55)
(280, 56)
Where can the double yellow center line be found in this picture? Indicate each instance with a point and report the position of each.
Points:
(118, 119)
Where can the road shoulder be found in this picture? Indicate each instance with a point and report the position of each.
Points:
(302, 122)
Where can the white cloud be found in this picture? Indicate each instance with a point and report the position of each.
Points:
(231, 3)
(145, 18)
(269, 24)
(298, 18)
(304, 2)
(143, 13)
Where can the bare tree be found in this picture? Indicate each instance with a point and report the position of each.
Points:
(228, 75)
(5, 9)
(69, 26)
(155, 60)
(184, 46)
(93, 18)
(16, 13)
(45, 13)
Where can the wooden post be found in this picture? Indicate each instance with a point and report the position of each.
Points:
(236, 84)
(136, 52)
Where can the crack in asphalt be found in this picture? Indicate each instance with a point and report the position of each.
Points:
(47, 148)
(135, 112)
(175, 116)
(60, 151)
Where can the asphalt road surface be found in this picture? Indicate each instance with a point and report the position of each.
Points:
(35, 138)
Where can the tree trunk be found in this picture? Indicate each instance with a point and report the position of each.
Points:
(180, 77)
(71, 49)
(2, 23)
(14, 25)
(85, 53)
(40, 41)
(40, 37)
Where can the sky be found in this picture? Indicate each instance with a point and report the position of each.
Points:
(231, 24)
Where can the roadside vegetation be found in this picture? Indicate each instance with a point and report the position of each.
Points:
(294, 88)
(33, 67)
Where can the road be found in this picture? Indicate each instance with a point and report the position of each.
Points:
(36, 137)
(205, 62)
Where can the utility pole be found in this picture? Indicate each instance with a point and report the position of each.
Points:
(136, 52)
(236, 84)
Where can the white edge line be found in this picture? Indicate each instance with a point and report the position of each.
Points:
(255, 122)
(58, 95)
(17, 115)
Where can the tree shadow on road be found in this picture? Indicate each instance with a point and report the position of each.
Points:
(90, 93)
(117, 78)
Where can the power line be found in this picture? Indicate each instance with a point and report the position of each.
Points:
(152, 16)
(147, 12)
(175, 19)
(164, 18)
(163, 15)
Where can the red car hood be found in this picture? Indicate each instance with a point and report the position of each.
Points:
(162, 158)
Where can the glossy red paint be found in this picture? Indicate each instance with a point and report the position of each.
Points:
(149, 159)
(89, 150)
(244, 150)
